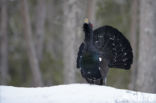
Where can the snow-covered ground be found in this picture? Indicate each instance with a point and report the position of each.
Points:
(73, 93)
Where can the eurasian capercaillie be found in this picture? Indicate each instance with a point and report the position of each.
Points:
(102, 48)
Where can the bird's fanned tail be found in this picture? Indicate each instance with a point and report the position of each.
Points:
(115, 47)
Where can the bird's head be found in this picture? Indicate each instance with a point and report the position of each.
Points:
(88, 29)
(87, 26)
(86, 20)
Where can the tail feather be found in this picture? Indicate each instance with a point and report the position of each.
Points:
(115, 47)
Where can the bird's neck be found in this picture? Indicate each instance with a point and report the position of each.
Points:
(89, 38)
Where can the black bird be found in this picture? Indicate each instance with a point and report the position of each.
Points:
(103, 48)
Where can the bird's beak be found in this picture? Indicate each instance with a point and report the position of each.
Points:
(86, 20)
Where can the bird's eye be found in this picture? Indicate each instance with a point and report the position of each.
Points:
(100, 59)
(91, 25)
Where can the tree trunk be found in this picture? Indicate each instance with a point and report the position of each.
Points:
(4, 43)
(134, 39)
(68, 40)
(30, 45)
(146, 75)
(40, 21)
(91, 10)
(73, 18)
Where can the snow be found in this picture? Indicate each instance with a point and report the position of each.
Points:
(73, 93)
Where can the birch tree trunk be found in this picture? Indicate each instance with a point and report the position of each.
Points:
(68, 40)
(4, 43)
(74, 13)
(146, 76)
(91, 10)
(39, 22)
(134, 38)
(30, 45)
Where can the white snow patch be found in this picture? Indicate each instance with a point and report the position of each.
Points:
(73, 93)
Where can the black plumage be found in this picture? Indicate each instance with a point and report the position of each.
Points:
(103, 48)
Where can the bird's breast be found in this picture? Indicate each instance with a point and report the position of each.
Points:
(90, 65)
(90, 61)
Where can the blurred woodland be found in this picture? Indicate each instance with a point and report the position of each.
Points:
(39, 40)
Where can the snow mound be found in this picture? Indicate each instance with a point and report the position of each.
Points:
(73, 93)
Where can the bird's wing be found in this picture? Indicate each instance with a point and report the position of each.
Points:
(103, 68)
(79, 56)
(114, 46)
